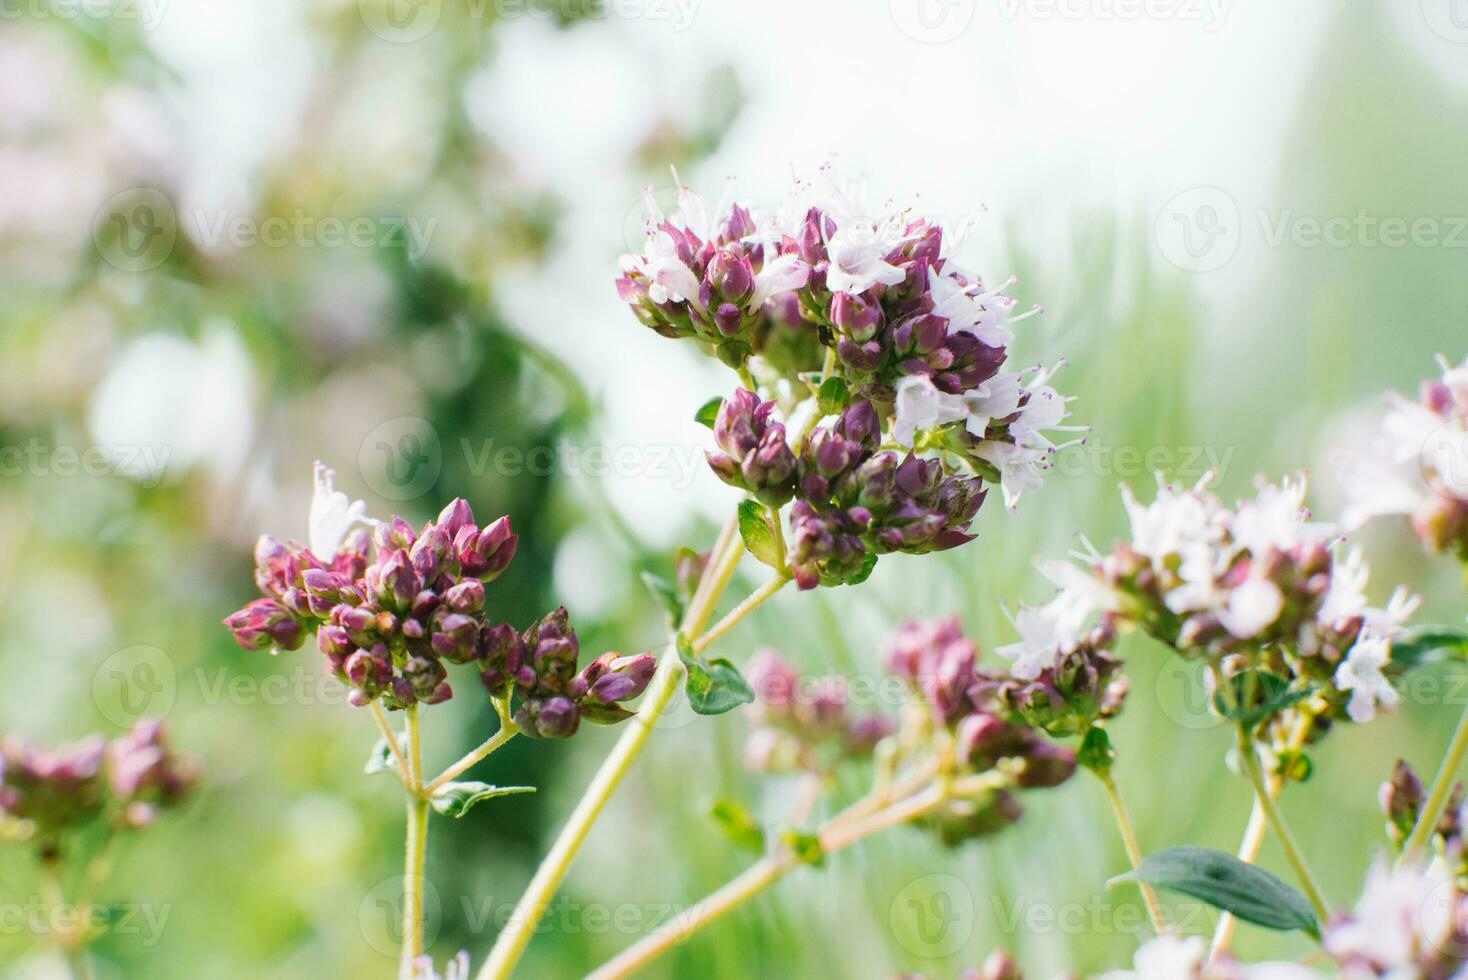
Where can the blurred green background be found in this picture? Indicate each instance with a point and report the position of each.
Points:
(237, 237)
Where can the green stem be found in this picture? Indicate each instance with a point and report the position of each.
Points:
(757, 879)
(415, 858)
(737, 614)
(510, 945)
(1249, 759)
(1133, 849)
(413, 883)
(1437, 798)
(512, 940)
(380, 717)
(507, 730)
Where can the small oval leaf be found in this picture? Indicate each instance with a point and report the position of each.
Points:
(457, 799)
(713, 686)
(708, 412)
(1225, 882)
(759, 533)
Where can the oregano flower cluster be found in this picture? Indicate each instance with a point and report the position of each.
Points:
(1417, 467)
(46, 793)
(1258, 585)
(392, 608)
(908, 354)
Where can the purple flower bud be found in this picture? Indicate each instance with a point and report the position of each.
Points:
(455, 516)
(855, 317)
(1047, 765)
(265, 623)
(455, 638)
(466, 597)
(554, 718)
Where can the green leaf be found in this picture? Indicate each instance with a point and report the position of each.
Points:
(666, 593)
(807, 847)
(1271, 695)
(382, 759)
(868, 565)
(457, 799)
(832, 398)
(714, 686)
(708, 412)
(1225, 882)
(735, 820)
(1096, 752)
(759, 534)
(1426, 644)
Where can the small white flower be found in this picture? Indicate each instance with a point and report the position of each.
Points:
(1176, 522)
(1041, 639)
(1347, 596)
(1166, 957)
(1251, 608)
(1276, 517)
(997, 398)
(919, 405)
(985, 315)
(858, 253)
(1020, 467)
(1403, 918)
(779, 275)
(1361, 674)
(332, 515)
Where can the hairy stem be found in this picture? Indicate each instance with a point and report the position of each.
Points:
(1437, 797)
(379, 716)
(1249, 759)
(507, 730)
(759, 878)
(737, 614)
(71, 944)
(416, 848)
(512, 940)
(1255, 830)
(510, 945)
(1133, 849)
